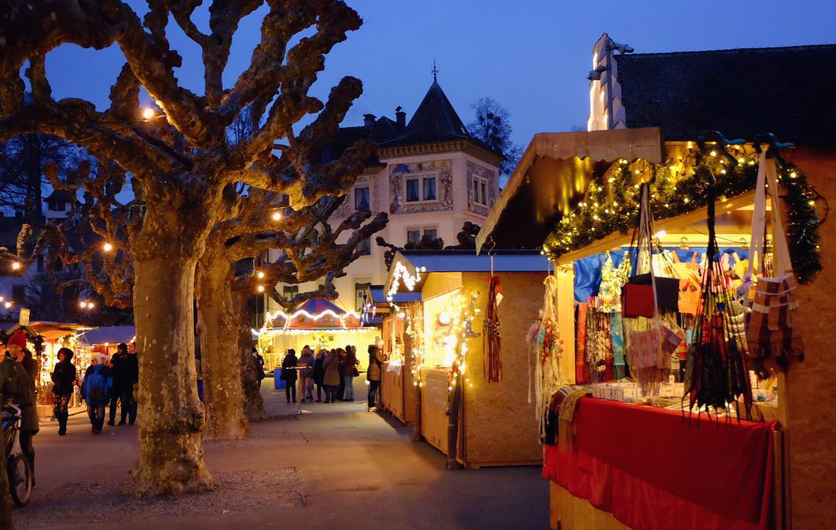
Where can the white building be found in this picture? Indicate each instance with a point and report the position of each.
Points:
(431, 177)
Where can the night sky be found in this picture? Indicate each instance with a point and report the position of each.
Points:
(531, 56)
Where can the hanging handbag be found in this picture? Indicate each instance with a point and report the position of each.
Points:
(667, 291)
(638, 300)
(773, 340)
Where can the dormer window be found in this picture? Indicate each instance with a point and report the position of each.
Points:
(57, 206)
(421, 188)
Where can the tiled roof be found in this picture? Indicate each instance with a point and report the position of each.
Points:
(435, 120)
(741, 92)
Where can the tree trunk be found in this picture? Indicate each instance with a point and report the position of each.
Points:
(253, 402)
(223, 394)
(171, 416)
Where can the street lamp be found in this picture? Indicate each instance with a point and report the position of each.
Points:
(260, 288)
(16, 266)
(277, 216)
(260, 274)
(148, 113)
(108, 247)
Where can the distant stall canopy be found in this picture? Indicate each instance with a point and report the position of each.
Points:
(317, 314)
(411, 268)
(553, 175)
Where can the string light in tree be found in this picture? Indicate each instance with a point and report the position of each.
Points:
(260, 274)
(107, 247)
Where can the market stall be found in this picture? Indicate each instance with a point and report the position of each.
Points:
(398, 390)
(678, 266)
(465, 359)
(318, 323)
(44, 340)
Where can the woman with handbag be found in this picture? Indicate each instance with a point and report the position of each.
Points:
(331, 364)
(374, 375)
(64, 379)
(348, 369)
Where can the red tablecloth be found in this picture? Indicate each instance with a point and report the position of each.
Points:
(657, 470)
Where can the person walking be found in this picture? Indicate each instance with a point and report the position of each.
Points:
(63, 378)
(348, 370)
(96, 390)
(129, 378)
(306, 368)
(331, 364)
(28, 411)
(289, 374)
(319, 375)
(374, 374)
(116, 373)
(13, 385)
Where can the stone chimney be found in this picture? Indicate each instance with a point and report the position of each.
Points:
(400, 117)
(368, 120)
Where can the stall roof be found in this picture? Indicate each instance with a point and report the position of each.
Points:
(109, 335)
(379, 296)
(418, 263)
(552, 174)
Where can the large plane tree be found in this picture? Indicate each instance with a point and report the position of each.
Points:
(181, 163)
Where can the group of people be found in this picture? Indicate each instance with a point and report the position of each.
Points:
(330, 370)
(111, 382)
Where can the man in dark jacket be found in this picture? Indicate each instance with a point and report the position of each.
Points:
(116, 373)
(129, 378)
(13, 386)
(26, 400)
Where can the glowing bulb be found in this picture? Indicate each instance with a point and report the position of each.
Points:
(260, 288)
(277, 216)
(16, 265)
(148, 113)
(660, 234)
(713, 153)
(8, 305)
(82, 305)
(260, 274)
(2, 298)
(90, 305)
(108, 247)
(793, 175)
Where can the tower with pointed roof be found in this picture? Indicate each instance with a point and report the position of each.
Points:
(430, 175)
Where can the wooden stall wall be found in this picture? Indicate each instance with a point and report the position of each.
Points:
(434, 407)
(391, 391)
(571, 513)
(812, 413)
(499, 423)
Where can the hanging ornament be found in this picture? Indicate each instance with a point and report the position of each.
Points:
(492, 330)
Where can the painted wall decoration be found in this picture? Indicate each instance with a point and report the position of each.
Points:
(347, 207)
(475, 170)
(399, 173)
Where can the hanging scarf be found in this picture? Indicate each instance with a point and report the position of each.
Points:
(493, 365)
(545, 342)
(716, 374)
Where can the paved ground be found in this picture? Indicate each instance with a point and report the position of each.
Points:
(338, 467)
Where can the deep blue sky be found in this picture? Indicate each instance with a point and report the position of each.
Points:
(532, 56)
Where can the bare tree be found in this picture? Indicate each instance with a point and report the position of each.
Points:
(183, 168)
(492, 125)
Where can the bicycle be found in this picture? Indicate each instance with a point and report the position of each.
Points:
(17, 465)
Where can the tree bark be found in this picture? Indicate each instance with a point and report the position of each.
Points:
(223, 394)
(171, 416)
(253, 402)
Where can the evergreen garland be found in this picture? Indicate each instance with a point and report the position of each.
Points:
(611, 201)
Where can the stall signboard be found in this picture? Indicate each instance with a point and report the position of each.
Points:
(24, 317)
(437, 385)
